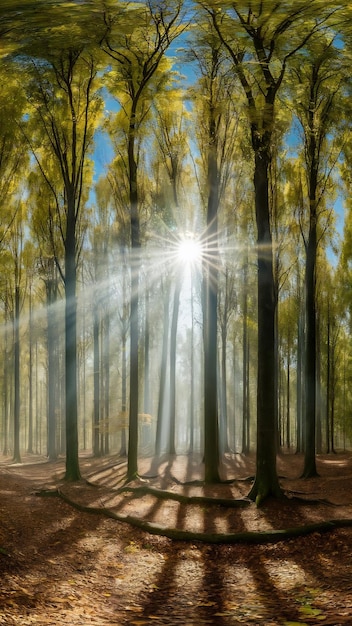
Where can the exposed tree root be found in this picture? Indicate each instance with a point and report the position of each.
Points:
(201, 483)
(250, 537)
(170, 495)
(293, 497)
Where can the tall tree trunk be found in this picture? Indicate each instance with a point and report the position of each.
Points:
(71, 411)
(124, 321)
(132, 460)
(299, 384)
(147, 407)
(192, 398)
(106, 367)
(173, 354)
(123, 449)
(266, 481)
(37, 427)
(96, 379)
(310, 365)
(6, 381)
(84, 378)
(210, 316)
(30, 376)
(327, 420)
(309, 469)
(224, 435)
(245, 398)
(319, 399)
(224, 418)
(52, 371)
(16, 453)
(288, 395)
(332, 411)
(163, 371)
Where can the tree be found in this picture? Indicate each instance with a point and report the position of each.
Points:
(137, 52)
(260, 40)
(216, 134)
(65, 107)
(319, 82)
(15, 248)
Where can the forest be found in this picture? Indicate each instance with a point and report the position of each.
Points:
(176, 233)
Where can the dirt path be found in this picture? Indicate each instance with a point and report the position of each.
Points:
(63, 566)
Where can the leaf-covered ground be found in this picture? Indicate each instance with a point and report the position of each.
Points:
(61, 565)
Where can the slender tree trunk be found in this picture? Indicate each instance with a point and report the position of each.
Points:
(17, 454)
(192, 398)
(123, 450)
(37, 426)
(332, 412)
(52, 372)
(96, 380)
(224, 435)
(30, 376)
(319, 400)
(245, 399)
(106, 365)
(84, 378)
(234, 397)
(147, 407)
(299, 385)
(327, 419)
(132, 461)
(224, 417)
(6, 383)
(173, 354)
(71, 412)
(288, 395)
(210, 317)
(163, 371)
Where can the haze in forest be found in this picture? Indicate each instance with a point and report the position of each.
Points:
(173, 279)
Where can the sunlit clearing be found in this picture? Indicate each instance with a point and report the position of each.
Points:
(189, 250)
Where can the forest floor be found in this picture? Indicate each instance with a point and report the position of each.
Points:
(62, 564)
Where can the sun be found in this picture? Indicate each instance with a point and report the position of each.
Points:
(189, 249)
